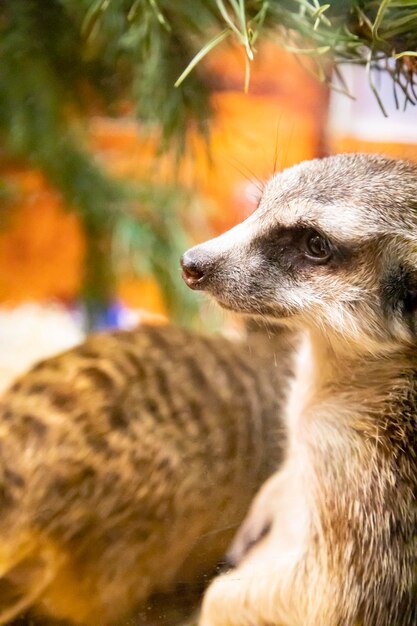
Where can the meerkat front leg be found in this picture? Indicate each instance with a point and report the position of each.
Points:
(269, 584)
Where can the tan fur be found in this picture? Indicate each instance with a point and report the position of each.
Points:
(342, 515)
(126, 465)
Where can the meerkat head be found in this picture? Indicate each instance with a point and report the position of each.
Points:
(332, 245)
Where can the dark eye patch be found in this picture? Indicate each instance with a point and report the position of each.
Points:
(286, 247)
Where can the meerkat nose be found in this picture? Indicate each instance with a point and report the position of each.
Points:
(193, 269)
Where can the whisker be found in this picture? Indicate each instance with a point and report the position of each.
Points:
(287, 149)
(248, 174)
(219, 530)
(274, 169)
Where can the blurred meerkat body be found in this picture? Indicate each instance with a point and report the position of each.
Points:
(118, 458)
(331, 538)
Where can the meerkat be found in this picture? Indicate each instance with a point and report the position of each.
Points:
(126, 465)
(332, 537)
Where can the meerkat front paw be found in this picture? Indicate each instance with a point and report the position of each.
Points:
(225, 603)
(262, 588)
(258, 522)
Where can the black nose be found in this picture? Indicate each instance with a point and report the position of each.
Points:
(193, 270)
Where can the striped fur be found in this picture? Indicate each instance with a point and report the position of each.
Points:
(126, 464)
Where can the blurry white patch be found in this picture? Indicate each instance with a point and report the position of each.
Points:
(31, 332)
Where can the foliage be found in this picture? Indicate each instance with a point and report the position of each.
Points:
(63, 61)
(382, 35)
(379, 34)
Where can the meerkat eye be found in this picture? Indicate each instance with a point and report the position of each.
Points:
(317, 247)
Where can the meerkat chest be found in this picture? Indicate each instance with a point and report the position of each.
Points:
(289, 487)
(313, 425)
(300, 397)
(316, 406)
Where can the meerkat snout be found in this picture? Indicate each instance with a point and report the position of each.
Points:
(194, 268)
(203, 265)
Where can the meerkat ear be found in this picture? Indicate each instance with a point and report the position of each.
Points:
(399, 296)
